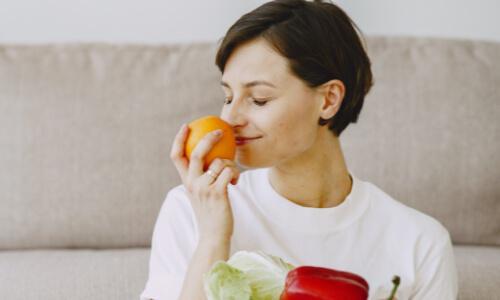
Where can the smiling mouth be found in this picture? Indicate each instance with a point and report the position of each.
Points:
(240, 142)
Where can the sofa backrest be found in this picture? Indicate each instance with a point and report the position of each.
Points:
(85, 136)
(429, 133)
(86, 130)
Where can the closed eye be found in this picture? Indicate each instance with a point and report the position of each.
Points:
(257, 102)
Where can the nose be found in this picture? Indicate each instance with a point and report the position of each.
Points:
(233, 114)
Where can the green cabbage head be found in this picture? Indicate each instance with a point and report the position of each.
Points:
(247, 276)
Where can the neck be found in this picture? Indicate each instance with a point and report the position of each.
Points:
(317, 178)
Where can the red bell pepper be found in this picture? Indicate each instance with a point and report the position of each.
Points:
(316, 283)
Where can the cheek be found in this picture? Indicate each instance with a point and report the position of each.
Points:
(292, 135)
(298, 120)
(290, 128)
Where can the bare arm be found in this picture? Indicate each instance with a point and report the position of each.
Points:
(208, 252)
(210, 202)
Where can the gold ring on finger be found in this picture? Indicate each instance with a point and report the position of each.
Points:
(212, 173)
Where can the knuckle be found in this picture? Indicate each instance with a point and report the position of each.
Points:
(217, 162)
(214, 135)
(230, 163)
(209, 136)
(226, 164)
(196, 155)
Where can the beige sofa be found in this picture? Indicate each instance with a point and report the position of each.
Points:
(86, 130)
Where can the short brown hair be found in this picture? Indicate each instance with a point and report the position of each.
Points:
(320, 42)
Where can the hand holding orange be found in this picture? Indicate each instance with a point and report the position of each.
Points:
(225, 148)
(195, 149)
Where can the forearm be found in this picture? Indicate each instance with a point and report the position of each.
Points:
(206, 254)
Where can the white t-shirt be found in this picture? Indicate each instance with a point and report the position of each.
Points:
(369, 234)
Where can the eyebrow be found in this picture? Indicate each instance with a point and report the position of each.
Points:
(251, 84)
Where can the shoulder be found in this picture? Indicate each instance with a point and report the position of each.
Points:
(406, 220)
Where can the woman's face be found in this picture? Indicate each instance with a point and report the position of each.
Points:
(264, 99)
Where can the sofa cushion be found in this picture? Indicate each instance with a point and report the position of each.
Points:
(122, 274)
(73, 274)
(478, 271)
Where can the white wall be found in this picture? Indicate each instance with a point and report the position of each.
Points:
(150, 21)
(440, 18)
(169, 21)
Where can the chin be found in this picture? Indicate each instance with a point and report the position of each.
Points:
(247, 162)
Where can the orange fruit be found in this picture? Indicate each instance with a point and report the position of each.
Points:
(224, 148)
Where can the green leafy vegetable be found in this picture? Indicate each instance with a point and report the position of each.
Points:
(247, 275)
(226, 282)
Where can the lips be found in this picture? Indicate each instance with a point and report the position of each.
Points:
(242, 138)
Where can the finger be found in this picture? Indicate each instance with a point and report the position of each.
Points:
(204, 146)
(177, 151)
(223, 180)
(216, 166)
(235, 168)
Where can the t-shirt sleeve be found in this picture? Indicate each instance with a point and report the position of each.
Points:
(172, 245)
(437, 274)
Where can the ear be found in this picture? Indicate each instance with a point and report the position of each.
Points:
(331, 95)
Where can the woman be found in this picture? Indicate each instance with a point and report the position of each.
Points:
(295, 75)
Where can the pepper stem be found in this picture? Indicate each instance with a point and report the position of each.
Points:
(396, 280)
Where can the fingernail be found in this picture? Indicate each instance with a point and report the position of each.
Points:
(218, 132)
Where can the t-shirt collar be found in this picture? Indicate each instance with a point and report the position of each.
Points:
(309, 219)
